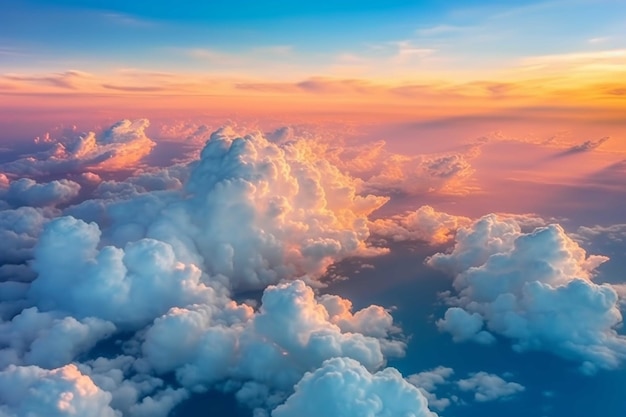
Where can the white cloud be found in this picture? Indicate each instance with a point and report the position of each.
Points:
(127, 286)
(19, 230)
(132, 393)
(46, 340)
(484, 387)
(251, 210)
(291, 333)
(381, 171)
(164, 254)
(424, 224)
(33, 391)
(343, 387)
(534, 288)
(428, 382)
(27, 192)
(489, 387)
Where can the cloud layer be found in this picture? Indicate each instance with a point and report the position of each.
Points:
(204, 276)
(134, 298)
(120, 146)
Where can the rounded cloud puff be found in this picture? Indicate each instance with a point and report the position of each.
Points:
(424, 224)
(129, 286)
(290, 334)
(534, 288)
(27, 192)
(32, 391)
(44, 339)
(19, 230)
(342, 387)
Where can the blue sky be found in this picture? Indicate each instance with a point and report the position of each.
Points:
(155, 34)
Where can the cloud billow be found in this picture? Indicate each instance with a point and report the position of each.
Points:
(534, 288)
(155, 264)
(120, 146)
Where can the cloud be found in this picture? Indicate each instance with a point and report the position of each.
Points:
(614, 232)
(250, 210)
(27, 192)
(129, 286)
(19, 229)
(533, 288)
(446, 174)
(610, 55)
(185, 131)
(586, 146)
(343, 387)
(65, 80)
(133, 394)
(133, 89)
(33, 391)
(137, 292)
(380, 171)
(120, 146)
(489, 387)
(465, 326)
(162, 179)
(47, 340)
(424, 224)
(484, 387)
(292, 332)
(150, 268)
(428, 382)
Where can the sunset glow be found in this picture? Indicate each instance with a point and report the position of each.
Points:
(328, 209)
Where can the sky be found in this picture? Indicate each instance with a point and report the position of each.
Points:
(291, 209)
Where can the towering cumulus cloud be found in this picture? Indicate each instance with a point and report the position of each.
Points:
(534, 288)
(135, 302)
(252, 211)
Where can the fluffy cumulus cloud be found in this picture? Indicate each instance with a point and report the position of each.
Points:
(133, 393)
(128, 286)
(19, 230)
(27, 192)
(120, 146)
(481, 386)
(489, 387)
(425, 224)
(342, 387)
(132, 299)
(534, 288)
(33, 391)
(291, 333)
(45, 339)
(250, 210)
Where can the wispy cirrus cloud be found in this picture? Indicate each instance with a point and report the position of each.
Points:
(68, 80)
